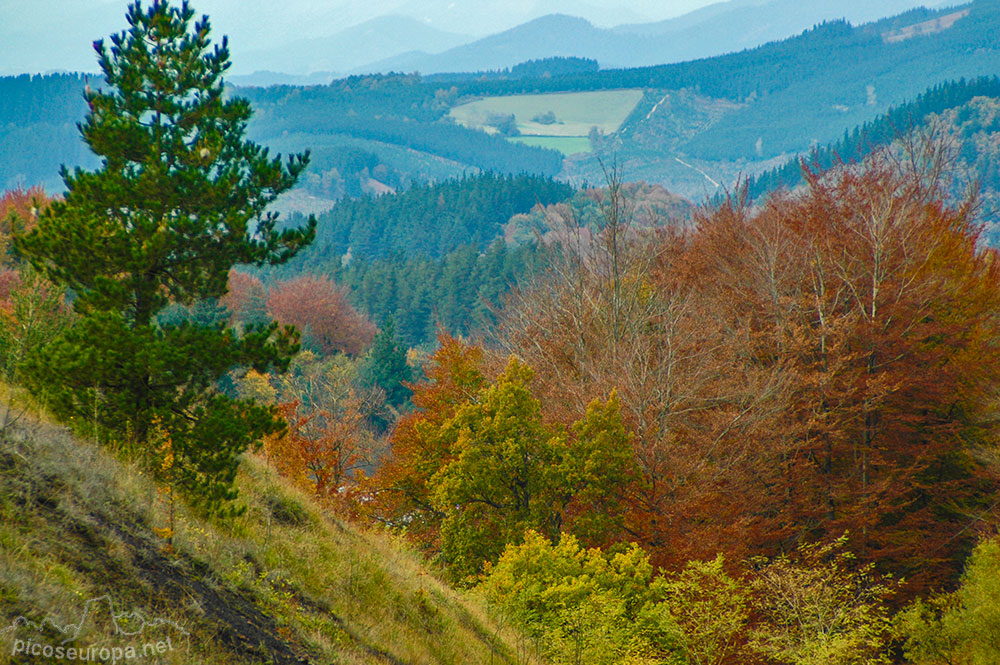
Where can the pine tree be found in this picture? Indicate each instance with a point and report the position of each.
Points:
(387, 367)
(179, 198)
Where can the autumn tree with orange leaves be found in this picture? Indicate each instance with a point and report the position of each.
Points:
(327, 446)
(320, 451)
(823, 362)
(871, 292)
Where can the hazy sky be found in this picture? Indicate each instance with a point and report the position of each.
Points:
(45, 35)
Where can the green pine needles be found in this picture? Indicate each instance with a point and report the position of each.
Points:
(180, 197)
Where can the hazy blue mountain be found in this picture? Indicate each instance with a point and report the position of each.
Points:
(348, 49)
(770, 19)
(741, 24)
(485, 17)
(720, 28)
(548, 36)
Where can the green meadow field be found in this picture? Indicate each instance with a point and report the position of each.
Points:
(567, 145)
(571, 116)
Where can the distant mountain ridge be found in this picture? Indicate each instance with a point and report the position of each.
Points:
(348, 49)
(768, 19)
(554, 35)
(713, 30)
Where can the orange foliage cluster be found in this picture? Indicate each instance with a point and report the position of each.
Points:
(869, 300)
(823, 364)
(320, 452)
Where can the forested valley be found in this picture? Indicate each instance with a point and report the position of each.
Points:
(477, 409)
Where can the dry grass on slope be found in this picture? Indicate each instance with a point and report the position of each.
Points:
(284, 583)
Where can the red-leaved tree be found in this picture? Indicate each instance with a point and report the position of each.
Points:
(320, 310)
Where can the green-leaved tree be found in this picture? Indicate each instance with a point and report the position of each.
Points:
(387, 367)
(509, 472)
(179, 198)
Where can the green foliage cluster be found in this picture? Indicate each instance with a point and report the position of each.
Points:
(821, 608)
(584, 605)
(492, 470)
(611, 606)
(180, 197)
(458, 293)
(509, 472)
(961, 628)
(386, 367)
(587, 605)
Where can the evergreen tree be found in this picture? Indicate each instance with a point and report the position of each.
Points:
(179, 198)
(387, 366)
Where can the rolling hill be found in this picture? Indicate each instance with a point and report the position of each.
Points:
(697, 126)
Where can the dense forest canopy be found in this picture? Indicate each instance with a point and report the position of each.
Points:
(431, 219)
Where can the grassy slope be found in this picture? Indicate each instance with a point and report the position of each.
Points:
(575, 112)
(567, 145)
(284, 583)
